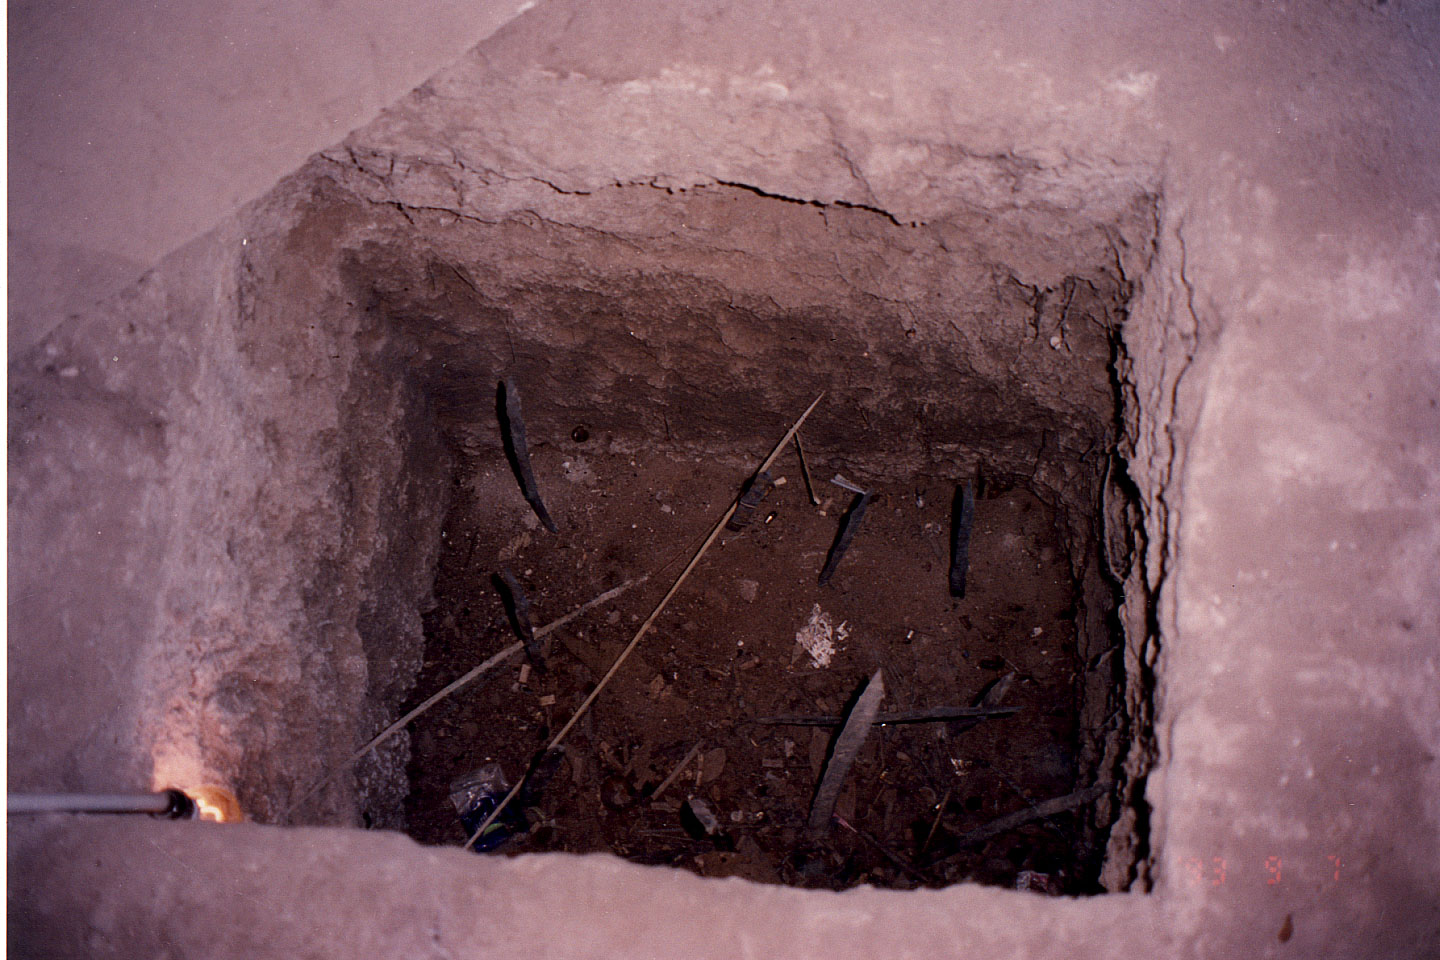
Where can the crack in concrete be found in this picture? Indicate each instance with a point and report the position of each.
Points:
(761, 192)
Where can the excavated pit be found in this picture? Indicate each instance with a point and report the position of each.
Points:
(725, 654)
(662, 342)
(245, 493)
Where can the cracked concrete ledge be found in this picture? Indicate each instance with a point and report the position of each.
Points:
(438, 152)
(427, 902)
(1285, 448)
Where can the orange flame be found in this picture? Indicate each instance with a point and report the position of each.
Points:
(174, 770)
(215, 804)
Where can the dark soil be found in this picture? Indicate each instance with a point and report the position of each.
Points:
(724, 653)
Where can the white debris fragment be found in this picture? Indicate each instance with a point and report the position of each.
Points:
(820, 635)
(704, 815)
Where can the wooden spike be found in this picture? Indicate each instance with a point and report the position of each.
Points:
(847, 748)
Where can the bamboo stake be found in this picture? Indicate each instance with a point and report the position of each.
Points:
(513, 427)
(963, 520)
(911, 716)
(1037, 811)
(645, 627)
(847, 748)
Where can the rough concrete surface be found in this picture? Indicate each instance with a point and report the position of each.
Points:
(226, 483)
(132, 128)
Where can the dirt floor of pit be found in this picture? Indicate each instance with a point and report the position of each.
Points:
(724, 652)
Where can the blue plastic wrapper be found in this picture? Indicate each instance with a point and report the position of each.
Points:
(475, 796)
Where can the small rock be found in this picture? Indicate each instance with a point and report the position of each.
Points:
(808, 866)
(577, 470)
(1035, 882)
(703, 816)
(615, 793)
(749, 590)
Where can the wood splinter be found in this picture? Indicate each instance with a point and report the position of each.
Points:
(679, 769)
(805, 472)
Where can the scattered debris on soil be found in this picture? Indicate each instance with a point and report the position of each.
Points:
(819, 636)
(677, 740)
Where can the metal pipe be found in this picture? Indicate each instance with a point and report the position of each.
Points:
(172, 803)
